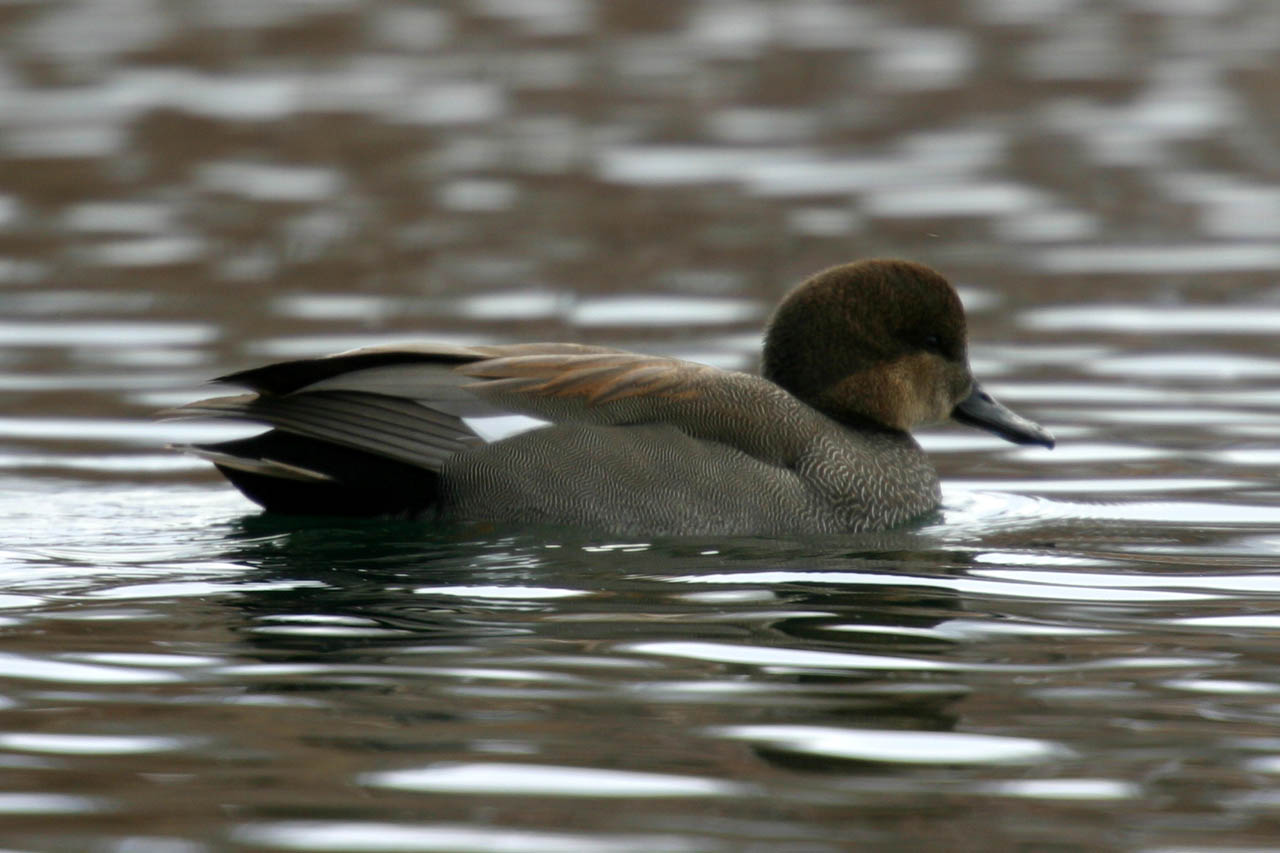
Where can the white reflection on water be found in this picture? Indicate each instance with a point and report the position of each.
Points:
(1183, 100)
(156, 251)
(334, 306)
(660, 164)
(1029, 584)
(901, 747)
(806, 175)
(730, 29)
(1040, 353)
(270, 182)
(1196, 365)
(117, 217)
(129, 335)
(1062, 789)
(147, 659)
(133, 432)
(41, 803)
(980, 511)
(79, 141)
(515, 305)
(1048, 225)
(1261, 622)
(195, 589)
(166, 357)
(10, 211)
(1073, 453)
(67, 744)
(476, 196)
(1137, 319)
(1268, 456)
(1151, 259)
(1098, 485)
(44, 669)
(1231, 207)
(1223, 420)
(541, 17)
(468, 675)
(974, 629)
(371, 837)
(95, 30)
(121, 463)
(411, 28)
(823, 221)
(14, 271)
(302, 346)
(823, 26)
(920, 59)
(760, 125)
(780, 659)
(1220, 686)
(774, 656)
(1217, 582)
(1084, 392)
(662, 310)
(117, 381)
(547, 780)
(462, 102)
(961, 199)
(502, 592)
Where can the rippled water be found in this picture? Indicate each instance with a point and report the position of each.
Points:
(1078, 653)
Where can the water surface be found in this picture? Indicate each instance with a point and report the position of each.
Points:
(1078, 652)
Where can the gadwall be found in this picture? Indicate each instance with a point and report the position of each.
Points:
(854, 358)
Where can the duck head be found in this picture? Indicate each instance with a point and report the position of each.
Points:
(883, 342)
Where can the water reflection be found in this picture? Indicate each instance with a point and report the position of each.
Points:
(756, 656)
(1074, 657)
(377, 837)
(905, 747)
(495, 777)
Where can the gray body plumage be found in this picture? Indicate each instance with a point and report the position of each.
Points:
(633, 444)
(655, 479)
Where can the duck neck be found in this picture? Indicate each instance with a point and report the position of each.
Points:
(863, 424)
(874, 476)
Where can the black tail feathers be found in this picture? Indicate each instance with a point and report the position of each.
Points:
(294, 474)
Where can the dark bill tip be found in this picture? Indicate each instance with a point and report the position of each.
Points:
(981, 410)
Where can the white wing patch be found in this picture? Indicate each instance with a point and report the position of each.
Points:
(497, 427)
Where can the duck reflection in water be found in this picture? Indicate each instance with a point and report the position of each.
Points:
(450, 606)
(854, 358)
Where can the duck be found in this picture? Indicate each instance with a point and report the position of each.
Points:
(819, 442)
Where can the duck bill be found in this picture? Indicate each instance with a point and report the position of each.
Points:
(981, 410)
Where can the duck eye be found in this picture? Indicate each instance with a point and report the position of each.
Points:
(933, 343)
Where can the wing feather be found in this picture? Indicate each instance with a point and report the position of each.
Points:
(398, 429)
(409, 403)
(627, 388)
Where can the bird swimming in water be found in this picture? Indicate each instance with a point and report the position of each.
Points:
(854, 358)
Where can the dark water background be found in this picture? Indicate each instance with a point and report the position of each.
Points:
(1081, 652)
